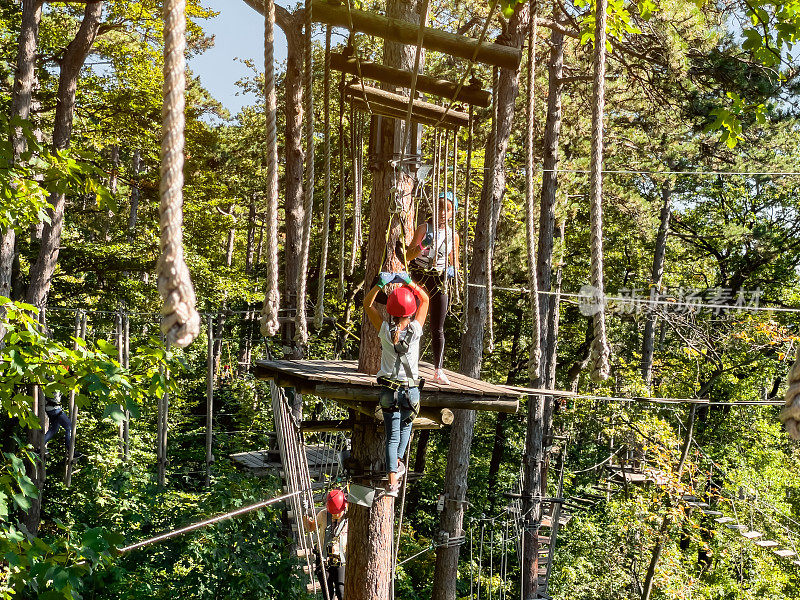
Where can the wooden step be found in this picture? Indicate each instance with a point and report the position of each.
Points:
(712, 513)
(767, 543)
(736, 527)
(751, 535)
(785, 553)
(725, 520)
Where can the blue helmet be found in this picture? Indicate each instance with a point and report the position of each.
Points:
(449, 195)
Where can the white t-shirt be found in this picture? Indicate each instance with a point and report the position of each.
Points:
(389, 356)
(436, 255)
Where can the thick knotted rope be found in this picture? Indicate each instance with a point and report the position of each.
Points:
(790, 413)
(269, 312)
(600, 350)
(180, 322)
(489, 175)
(323, 261)
(534, 362)
(301, 332)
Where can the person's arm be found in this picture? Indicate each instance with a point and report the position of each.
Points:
(424, 302)
(415, 247)
(369, 308)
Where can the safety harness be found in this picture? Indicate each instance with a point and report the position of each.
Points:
(401, 398)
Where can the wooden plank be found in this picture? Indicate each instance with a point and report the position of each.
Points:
(725, 520)
(767, 543)
(378, 107)
(471, 94)
(736, 527)
(751, 535)
(404, 32)
(784, 553)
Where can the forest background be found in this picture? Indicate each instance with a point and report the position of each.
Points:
(695, 91)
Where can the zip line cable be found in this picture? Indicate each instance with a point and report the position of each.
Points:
(176, 532)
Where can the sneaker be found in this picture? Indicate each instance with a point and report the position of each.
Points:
(392, 490)
(440, 377)
(401, 470)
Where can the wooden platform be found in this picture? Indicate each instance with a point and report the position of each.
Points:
(341, 381)
(261, 462)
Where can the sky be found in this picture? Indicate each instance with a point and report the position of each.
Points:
(239, 33)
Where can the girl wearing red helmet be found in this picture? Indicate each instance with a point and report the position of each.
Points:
(399, 373)
(331, 525)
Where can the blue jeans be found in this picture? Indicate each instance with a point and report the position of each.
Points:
(58, 418)
(397, 423)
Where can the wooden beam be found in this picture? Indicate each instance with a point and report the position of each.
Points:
(393, 113)
(426, 84)
(439, 399)
(324, 426)
(404, 32)
(423, 109)
(443, 416)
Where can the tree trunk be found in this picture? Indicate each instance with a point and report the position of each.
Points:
(71, 64)
(648, 339)
(647, 587)
(136, 168)
(455, 486)
(369, 558)
(251, 237)
(24, 82)
(292, 26)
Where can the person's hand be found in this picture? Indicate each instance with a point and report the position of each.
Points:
(427, 241)
(385, 278)
(404, 278)
(451, 272)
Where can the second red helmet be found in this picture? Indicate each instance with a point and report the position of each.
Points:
(336, 502)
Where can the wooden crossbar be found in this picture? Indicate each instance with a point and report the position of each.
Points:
(404, 32)
(393, 113)
(397, 102)
(398, 77)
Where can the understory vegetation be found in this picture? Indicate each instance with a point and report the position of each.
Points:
(702, 142)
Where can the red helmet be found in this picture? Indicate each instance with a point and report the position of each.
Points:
(335, 502)
(401, 302)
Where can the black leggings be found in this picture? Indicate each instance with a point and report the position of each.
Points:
(432, 282)
(335, 582)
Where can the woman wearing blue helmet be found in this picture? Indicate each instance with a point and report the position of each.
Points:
(433, 253)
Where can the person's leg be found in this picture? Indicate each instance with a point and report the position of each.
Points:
(331, 582)
(391, 426)
(338, 583)
(438, 313)
(408, 409)
(52, 430)
(64, 421)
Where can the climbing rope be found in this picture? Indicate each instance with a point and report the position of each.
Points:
(301, 333)
(180, 322)
(489, 173)
(790, 413)
(323, 261)
(342, 234)
(269, 312)
(600, 350)
(467, 184)
(534, 363)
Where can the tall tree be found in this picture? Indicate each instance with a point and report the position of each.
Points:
(494, 185)
(369, 554)
(71, 64)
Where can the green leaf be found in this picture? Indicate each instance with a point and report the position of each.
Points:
(115, 413)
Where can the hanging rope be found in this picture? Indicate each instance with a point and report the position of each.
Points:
(342, 230)
(269, 312)
(301, 333)
(534, 363)
(600, 351)
(323, 261)
(180, 322)
(467, 184)
(790, 413)
(489, 172)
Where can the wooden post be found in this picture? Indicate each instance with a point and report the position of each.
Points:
(210, 399)
(471, 94)
(126, 363)
(163, 417)
(80, 332)
(404, 32)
